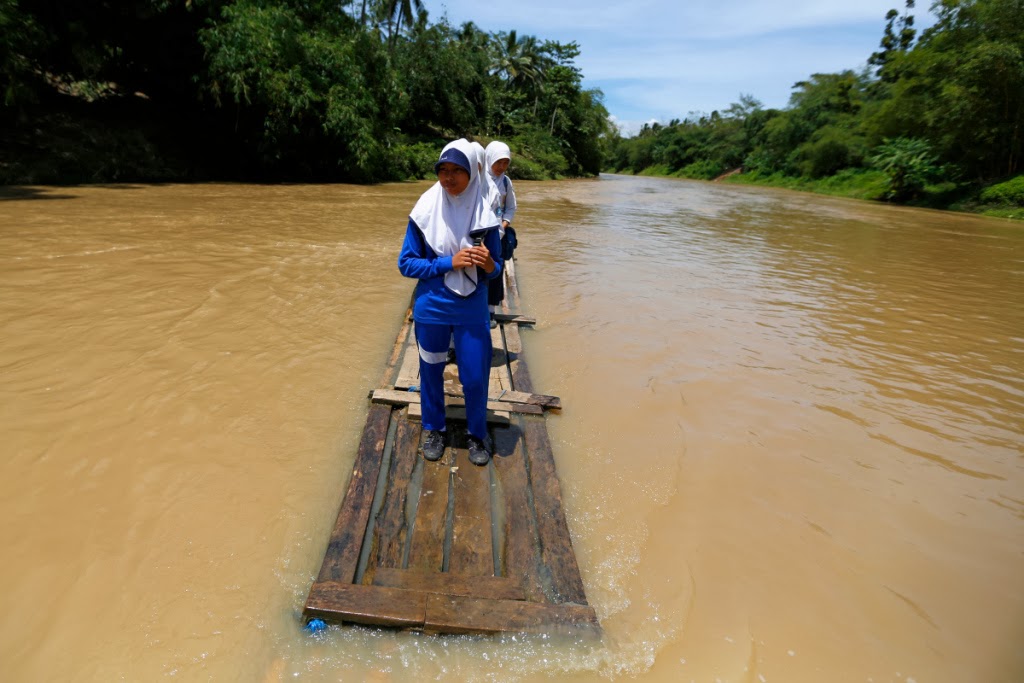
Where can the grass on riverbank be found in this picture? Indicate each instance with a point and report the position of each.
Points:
(1001, 200)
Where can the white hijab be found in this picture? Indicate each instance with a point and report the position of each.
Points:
(446, 221)
(490, 193)
(496, 151)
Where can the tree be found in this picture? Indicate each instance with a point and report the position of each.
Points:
(398, 11)
(18, 70)
(909, 163)
(896, 40)
(962, 88)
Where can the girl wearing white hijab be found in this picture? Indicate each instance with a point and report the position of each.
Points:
(498, 158)
(450, 300)
(487, 188)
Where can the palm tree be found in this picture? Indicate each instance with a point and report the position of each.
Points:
(515, 59)
(400, 10)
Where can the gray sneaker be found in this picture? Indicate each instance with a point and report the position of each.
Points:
(433, 445)
(479, 451)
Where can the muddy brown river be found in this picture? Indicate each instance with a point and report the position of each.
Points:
(792, 448)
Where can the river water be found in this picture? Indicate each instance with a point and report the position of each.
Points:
(792, 447)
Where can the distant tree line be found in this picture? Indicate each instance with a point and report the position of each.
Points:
(347, 90)
(933, 116)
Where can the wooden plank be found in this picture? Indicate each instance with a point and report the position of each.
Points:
(491, 587)
(520, 547)
(494, 378)
(471, 551)
(430, 527)
(542, 400)
(513, 401)
(498, 417)
(500, 377)
(515, 318)
(458, 412)
(409, 375)
(457, 614)
(557, 556)
(379, 606)
(517, 365)
(511, 301)
(342, 554)
(397, 352)
(393, 522)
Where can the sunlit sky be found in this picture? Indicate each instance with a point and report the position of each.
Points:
(657, 60)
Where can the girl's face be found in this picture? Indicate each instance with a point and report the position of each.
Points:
(453, 178)
(499, 166)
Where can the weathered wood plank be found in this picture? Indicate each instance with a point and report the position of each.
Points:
(491, 587)
(495, 377)
(517, 365)
(520, 553)
(458, 412)
(342, 556)
(409, 375)
(471, 551)
(542, 400)
(376, 605)
(511, 302)
(397, 397)
(501, 379)
(393, 522)
(557, 554)
(430, 527)
(457, 614)
(515, 318)
(397, 352)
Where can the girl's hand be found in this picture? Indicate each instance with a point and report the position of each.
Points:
(473, 256)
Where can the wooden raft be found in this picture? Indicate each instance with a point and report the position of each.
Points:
(448, 546)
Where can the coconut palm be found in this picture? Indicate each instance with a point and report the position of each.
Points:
(515, 60)
(399, 10)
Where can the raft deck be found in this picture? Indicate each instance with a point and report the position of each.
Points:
(448, 546)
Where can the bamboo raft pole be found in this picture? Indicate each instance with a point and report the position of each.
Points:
(448, 546)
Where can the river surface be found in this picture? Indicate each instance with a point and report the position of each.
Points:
(792, 447)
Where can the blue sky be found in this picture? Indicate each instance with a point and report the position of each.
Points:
(656, 60)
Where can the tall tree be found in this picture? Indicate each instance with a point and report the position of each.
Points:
(896, 40)
(398, 11)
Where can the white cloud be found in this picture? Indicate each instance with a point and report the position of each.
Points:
(667, 58)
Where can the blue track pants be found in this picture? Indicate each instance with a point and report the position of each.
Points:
(473, 357)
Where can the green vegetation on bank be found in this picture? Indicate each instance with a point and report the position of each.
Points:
(310, 90)
(935, 120)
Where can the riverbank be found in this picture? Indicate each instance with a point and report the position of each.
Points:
(65, 139)
(999, 200)
(69, 141)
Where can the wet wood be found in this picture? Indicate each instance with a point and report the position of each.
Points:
(492, 587)
(519, 537)
(342, 554)
(430, 526)
(472, 546)
(337, 601)
(457, 614)
(557, 555)
(449, 546)
(515, 318)
(394, 518)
